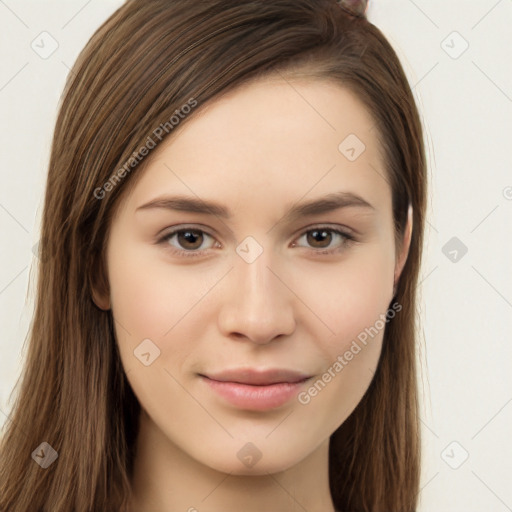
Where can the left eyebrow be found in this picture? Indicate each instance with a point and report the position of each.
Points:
(328, 203)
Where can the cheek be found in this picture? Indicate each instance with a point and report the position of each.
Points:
(156, 301)
(349, 296)
(140, 301)
(148, 293)
(353, 302)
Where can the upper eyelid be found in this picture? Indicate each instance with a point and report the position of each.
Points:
(206, 229)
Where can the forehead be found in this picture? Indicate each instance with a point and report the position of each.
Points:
(272, 138)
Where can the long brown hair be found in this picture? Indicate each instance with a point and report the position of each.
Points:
(141, 66)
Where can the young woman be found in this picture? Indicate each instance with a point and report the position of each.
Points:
(231, 243)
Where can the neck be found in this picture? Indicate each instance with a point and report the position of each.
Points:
(165, 478)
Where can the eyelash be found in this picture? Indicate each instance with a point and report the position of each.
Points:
(348, 241)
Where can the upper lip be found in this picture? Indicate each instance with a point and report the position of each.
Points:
(258, 377)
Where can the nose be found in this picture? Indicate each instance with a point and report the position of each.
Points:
(256, 301)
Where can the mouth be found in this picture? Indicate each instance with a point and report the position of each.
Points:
(255, 377)
(255, 390)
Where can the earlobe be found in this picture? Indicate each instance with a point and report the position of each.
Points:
(406, 243)
(102, 301)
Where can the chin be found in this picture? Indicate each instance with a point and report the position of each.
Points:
(261, 467)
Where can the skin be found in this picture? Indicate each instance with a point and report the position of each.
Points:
(258, 151)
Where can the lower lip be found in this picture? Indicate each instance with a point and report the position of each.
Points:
(256, 398)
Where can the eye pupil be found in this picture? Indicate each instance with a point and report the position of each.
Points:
(313, 235)
(189, 236)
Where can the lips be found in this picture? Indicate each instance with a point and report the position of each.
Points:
(255, 377)
(254, 390)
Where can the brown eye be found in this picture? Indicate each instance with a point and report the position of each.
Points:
(187, 241)
(322, 238)
(319, 238)
(190, 238)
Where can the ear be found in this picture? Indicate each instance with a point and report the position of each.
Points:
(404, 250)
(98, 284)
(102, 301)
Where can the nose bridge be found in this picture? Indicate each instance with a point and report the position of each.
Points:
(256, 280)
(258, 305)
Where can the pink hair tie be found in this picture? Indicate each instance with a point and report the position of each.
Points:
(356, 8)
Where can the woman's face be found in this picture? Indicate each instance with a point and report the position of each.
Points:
(265, 283)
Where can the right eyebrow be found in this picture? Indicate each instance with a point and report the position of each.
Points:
(187, 204)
